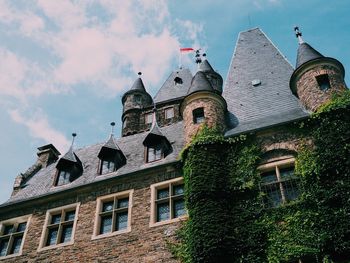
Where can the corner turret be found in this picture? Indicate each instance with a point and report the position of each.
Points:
(203, 103)
(316, 78)
(134, 100)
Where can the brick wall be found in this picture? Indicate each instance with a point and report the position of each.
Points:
(142, 244)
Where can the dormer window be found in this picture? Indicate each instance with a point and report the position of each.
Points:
(63, 178)
(198, 115)
(323, 82)
(111, 157)
(178, 81)
(154, 153)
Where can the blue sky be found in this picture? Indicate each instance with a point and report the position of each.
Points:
(64, 65)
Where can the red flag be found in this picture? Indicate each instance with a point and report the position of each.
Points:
(186, 49)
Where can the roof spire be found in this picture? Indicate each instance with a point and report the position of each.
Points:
(139, 73)
(298, 34)
(112, 127)
(198, 57)
(73, 139)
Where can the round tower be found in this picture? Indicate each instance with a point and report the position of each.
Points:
(134, 100)
(316, 78)
(202, 105)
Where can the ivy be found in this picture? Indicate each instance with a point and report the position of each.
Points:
(227, 219)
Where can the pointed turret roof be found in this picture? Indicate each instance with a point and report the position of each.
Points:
(138, 85)
(306, 53)
(200, 83)
(70, 157)
(205, 66)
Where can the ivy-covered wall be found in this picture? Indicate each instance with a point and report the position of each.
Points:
(227, 219)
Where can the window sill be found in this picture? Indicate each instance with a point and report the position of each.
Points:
(55, 246)
(170, 221)
(116, 233)
(10, 256)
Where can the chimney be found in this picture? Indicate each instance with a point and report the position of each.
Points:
(47, 155)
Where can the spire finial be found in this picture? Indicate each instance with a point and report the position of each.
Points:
(73, 138)
(112, 127)
(298, 34)
(198, 57)
(139, 73)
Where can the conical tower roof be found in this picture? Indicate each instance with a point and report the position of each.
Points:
(306, 53)
(138, 86)
(200, 83)
(205, 66)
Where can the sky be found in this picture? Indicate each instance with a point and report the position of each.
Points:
(65, 64)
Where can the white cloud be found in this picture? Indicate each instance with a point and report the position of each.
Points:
(39, 128)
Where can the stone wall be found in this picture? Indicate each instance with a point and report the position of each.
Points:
(308, 89)
(142, 244)
(214, 113)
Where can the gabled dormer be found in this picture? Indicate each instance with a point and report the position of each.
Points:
(157, 146)
(110, 156)
(69, 167)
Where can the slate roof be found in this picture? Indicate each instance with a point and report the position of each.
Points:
(170, 90)
(254, 107)
(205, 66)
(42, 182)
(306, 53)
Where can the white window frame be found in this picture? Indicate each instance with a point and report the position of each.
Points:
(166, 114)
(154, 188)
(99, 202)
(49, 213)
(276, 165)
(15, 221)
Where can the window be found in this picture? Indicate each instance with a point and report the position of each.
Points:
(138, 98)
(278, 182)
(63, 177)
(198, 115)
(178, 81)
(154, 153)
(323, 82)
(148, 118)
(113, 214)
(125, 122)
(59, 226)
(12, 234)
(169, 113)
(168, 204)
(108, 166)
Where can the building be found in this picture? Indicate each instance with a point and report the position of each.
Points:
(123, 199)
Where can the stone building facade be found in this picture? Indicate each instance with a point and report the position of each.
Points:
(122, 200)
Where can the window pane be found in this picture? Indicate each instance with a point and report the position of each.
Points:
(148, 118)
(179, 208)
(287, 172)
(178, 189)
(106, 224)
(21, 227)
(8, 229)
(107, 206)
(273, 195)
(291, 190)
(16, 245)
(69, 216)
(158, 153)
(151, 155)
(269, 177)
(123, 203)
(162, 193)
(121, 221)
(169, 113)
(63, 177)
(55, 219)
(52, 236)
(162, 212)
(198, 115)
(66, 233)
(3, 247)
(107, 166)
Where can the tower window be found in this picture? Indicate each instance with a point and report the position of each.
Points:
(178, 81)
(323, 82)
(138, 98)
(154, 153)
(279, 183)
(125, 122)
(169, 113)
(148, 118)
(198, 115)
